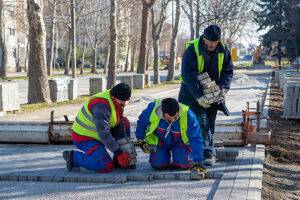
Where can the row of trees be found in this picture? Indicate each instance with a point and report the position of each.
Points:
(282, 20)
(126, 30)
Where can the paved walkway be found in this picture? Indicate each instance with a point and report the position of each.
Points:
(239, 179)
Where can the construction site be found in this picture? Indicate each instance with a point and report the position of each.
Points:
(257, 148)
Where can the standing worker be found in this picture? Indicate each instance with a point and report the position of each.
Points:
(168, 128)
(100, 124)
(206, 54)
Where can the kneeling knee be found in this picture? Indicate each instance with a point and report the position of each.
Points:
(106, 168)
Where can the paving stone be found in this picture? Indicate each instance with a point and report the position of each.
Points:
(58, 179)
(22, 178)
(13, 177)
(32, 178)
(140, 177)
(185, 176)
(46, 178)
(170, 176)
(99, 179)
(197, 176)
(160, 176)
(82, 179)
(70, 179)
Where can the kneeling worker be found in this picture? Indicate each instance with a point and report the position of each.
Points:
(167, 128)
(100, 124)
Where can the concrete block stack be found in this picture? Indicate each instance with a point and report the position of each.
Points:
(128, 79)
(59, 89)
(9, 97)
(138, 81)
(292, 100)
(97, 85)
(210, 89)
(73, 89)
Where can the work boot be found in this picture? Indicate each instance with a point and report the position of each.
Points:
(68, 157)
(209, 161)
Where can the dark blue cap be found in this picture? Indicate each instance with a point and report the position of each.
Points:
(121, 91)
(212, 33)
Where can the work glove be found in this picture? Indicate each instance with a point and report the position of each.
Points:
(198, 167)
(203, 102)
(144, 146)
(223, 93)
(123, 159)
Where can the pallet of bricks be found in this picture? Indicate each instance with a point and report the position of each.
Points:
(292, 100)
(289, 81)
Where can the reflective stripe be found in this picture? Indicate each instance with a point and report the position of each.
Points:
(89, 117)
(220, 62)
(90, 128)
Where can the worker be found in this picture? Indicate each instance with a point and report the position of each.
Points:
(168, 128)
(98, 126)
(206, 54)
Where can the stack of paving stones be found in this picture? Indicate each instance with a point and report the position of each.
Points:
(210, 89)
(96, 85)
(128, 79)
(292, 100)
(9, 97)
(73, 89)
(59, 89)
(227, 154)
(138, 81)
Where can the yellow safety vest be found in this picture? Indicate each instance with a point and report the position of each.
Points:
(200, 58)
(152, 139)
(84, 125)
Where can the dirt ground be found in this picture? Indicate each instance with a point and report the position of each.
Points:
(281, 175)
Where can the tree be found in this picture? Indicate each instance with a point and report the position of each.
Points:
(111, 76)
(189, 12)
(157, 25)
(38, 89)
(3, 49)
(146, 6)
(272, 16)
(171, 66)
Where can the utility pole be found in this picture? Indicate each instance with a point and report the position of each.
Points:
(73, 29)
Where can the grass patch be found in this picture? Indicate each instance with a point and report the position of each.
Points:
(38, 106)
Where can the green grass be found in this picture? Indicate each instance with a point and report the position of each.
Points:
(37, 106)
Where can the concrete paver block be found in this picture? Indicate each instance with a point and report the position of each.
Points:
(197, 176)
(128, 79)
(58, 179)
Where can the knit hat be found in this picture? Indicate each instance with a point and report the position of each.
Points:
(121, 91)
(212, 33)
(170, 106)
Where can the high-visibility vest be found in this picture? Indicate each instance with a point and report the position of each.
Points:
(84, 125)
(152, 139)
(200, 58)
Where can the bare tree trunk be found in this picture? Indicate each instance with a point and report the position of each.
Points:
(56, 51)
(107, 58)
(279, 53)
(156, 64)
(191, 19)
(3, 50)
(51, 60)
(171, 67)
(73, 28)
(38, 89)
(132, 58)
(94, 61)
(147, 58)
(111, 76)
(83, 55)
(197, 18)
(68, 54)
(127, 63)
(144, 36)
